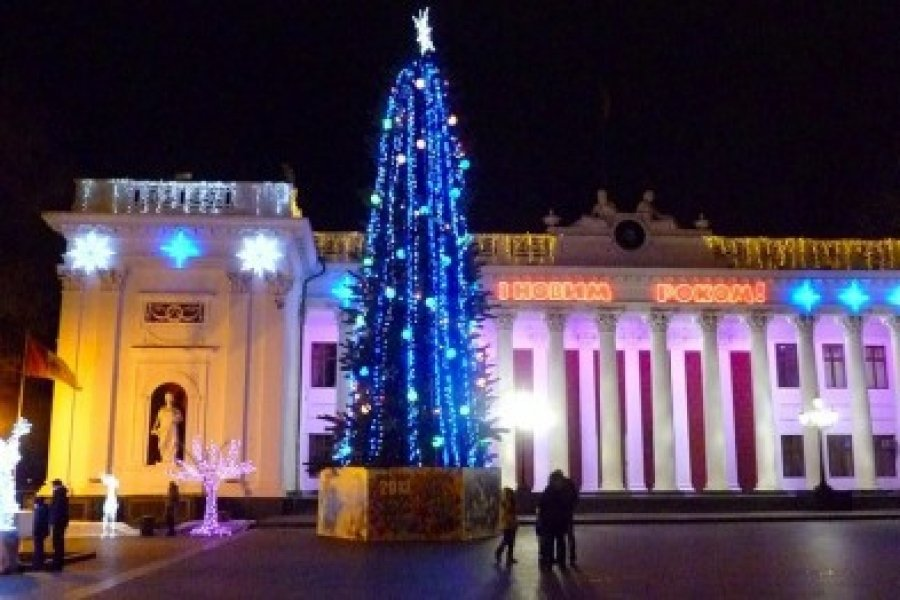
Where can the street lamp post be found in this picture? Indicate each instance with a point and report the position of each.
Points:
(821, 417)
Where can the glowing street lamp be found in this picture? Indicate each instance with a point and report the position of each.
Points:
(522, 411)
(820, 417)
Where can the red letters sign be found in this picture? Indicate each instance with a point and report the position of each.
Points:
(748, 292)
(555, 290)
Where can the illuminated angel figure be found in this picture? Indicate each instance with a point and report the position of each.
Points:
(110, 505)
(210, 468)
(9, 458)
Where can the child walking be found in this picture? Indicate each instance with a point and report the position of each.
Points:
(509, 522)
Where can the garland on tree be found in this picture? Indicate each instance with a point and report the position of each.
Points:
(420, 389)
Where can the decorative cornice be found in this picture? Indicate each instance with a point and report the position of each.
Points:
(758, 320)
(239, 283)
(658, 321)
(709, 321)
(504, 320)
(71, 280)
(606, 320)
(278, 284)
(111, 280)
(556, 320)
(853, 324)
(804, 323)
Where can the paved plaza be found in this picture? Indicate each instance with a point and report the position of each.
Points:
(808, 559)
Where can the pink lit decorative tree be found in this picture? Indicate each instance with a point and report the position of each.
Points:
(210, 469)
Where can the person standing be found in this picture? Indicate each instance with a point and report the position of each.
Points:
(571, 498)
(40, 531)
(59, 520)
(509, 522)
(552, 511)
(171, 507)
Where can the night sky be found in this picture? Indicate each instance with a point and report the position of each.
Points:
(775, 118)
(771, 120)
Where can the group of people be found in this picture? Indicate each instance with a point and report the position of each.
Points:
(555, 520)
(51, 520)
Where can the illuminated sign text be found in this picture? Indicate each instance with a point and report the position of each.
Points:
(711, 293)
(555, 290)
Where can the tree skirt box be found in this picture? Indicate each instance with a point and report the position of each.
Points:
(406, 503)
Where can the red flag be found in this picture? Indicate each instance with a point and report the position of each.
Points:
(41, 363)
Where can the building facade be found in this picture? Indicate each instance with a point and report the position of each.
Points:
(630, 352)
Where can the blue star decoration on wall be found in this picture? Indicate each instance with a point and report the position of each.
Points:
(180, 248)
(805, 296)
(854, 296)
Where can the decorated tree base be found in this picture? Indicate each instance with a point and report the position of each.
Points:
(402, 503)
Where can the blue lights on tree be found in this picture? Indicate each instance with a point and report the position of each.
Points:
(417, 373)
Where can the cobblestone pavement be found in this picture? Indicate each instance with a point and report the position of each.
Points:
(826, 559)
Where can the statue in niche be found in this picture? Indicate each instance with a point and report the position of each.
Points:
(167, 428)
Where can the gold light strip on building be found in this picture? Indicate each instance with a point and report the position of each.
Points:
(763, 253)
(806, 253)
(493, 248)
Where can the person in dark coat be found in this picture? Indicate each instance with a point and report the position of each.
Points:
(40, 531)
(171, 507)
(571, 493)
(59, 520)
(553, 522)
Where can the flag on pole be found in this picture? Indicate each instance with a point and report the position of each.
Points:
(42, 363)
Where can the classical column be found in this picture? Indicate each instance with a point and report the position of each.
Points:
(109, 353)
(713, 425)
(341, 389)
(863, 444)
(663, 430)
(610, 420)
(894, 324)
(506, 388)
(556, 391)
(763, 413)
(809, 389)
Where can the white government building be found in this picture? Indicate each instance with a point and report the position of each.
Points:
(632, 353)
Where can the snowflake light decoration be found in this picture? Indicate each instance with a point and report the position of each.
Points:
(91, 251)
(210, 468)
(9, 458)
(259, 254)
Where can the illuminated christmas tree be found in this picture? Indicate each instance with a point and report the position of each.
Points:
(418, 378)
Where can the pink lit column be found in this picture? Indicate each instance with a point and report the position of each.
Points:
(809, 389)
(713, 425)
(506, 389)
(763, 413)
(894, 324)
(863, 450)
(556, 389)
(663, 430)
(610, 420)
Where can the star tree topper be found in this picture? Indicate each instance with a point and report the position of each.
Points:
(423, 32)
